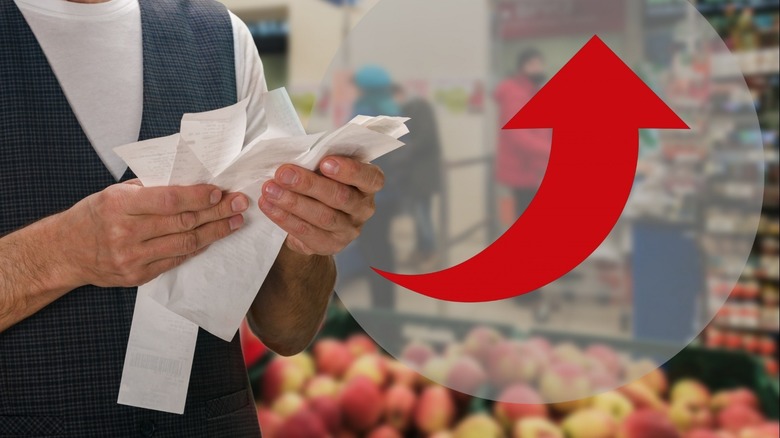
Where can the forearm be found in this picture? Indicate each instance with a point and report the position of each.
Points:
(32, 274)
(289, 308)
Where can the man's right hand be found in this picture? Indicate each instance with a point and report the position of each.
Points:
(127, 234)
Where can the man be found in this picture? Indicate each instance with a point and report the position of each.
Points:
(79, 234)
(522, 154)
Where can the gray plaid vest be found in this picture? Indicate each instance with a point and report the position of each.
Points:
(60, 369)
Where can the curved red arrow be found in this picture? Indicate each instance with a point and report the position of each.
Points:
(596, 106)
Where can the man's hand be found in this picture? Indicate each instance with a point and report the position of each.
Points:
(127, 235)
(324, 212)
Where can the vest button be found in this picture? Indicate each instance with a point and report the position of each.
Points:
(147, 428)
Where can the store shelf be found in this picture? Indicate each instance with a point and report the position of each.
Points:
(720, 7)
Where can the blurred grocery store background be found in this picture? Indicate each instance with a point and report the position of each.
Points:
(532, 348)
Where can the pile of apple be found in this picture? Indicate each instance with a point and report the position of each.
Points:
(345, 389)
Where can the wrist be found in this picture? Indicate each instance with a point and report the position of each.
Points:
(49, 246)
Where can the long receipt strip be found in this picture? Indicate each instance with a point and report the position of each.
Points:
(215, 289)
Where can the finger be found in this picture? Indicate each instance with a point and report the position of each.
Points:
(134, 182)
(166, 201)
(298, 246)
(331, 193)
(230, 205)
(318, 240)
(181, 244)
(158, 267)
(366, 177)
(309, 209)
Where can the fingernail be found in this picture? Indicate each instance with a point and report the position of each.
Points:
(216, 195)
(330, 167)
(239, 204)
(288, 177)
(273, 191)
(235, 222)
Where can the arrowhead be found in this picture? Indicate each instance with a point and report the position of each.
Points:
(596, 89)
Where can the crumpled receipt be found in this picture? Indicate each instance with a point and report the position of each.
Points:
(215, 289)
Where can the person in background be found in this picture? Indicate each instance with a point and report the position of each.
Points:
(424, 174)
(375, 98)
(522, 155)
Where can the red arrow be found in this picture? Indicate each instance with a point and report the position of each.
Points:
(595, 105)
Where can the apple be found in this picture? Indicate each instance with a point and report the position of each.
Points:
(607, 357)
(288, 404)
(360, 344)
(372, 366)
(361, 403)
(441, 434)
(536, 427)
(269, 422)
(321, 385)
(702, 433)
(510, 362)
(303, 361)
(650, 374)
(400, 374)
(435, 370)
(465, 375)
(642, 396)
(529, 404)
(281, 376)
(734, 418)
(589, 423)
(766, 430)
(384, 431)
(690, 390)
(568, 353)
(479, 341)
(435, 410)
(613, 403)
(302, 424)
(687, 414)
(742, 396)
(400, 401)
(329, 411)
(647, 423)
(332, 357)
(478, 426)
(562, 382)
(601, 379)
(417, 354)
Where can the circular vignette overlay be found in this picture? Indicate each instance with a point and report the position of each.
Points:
(460, 70)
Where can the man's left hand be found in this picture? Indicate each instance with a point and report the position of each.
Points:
(322, 211)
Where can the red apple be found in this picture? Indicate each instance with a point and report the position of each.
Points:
(607, 356)
(465, 375)
(360, 344)
(303, 424)
(766, 430)
(281, 376)
(269, 422)
(417, 353)
(479, 341)
(400, 374)
(435, 410)
(642, 396)
(361, 403)
(384, 431)
(734, 418)
(332, 357)
(741, 396)
(562, 382)
(508, 413)
(687, 415)
(329, 411)
(399, 406)
(647, 423)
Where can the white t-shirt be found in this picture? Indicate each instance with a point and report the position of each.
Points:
(95, 51)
